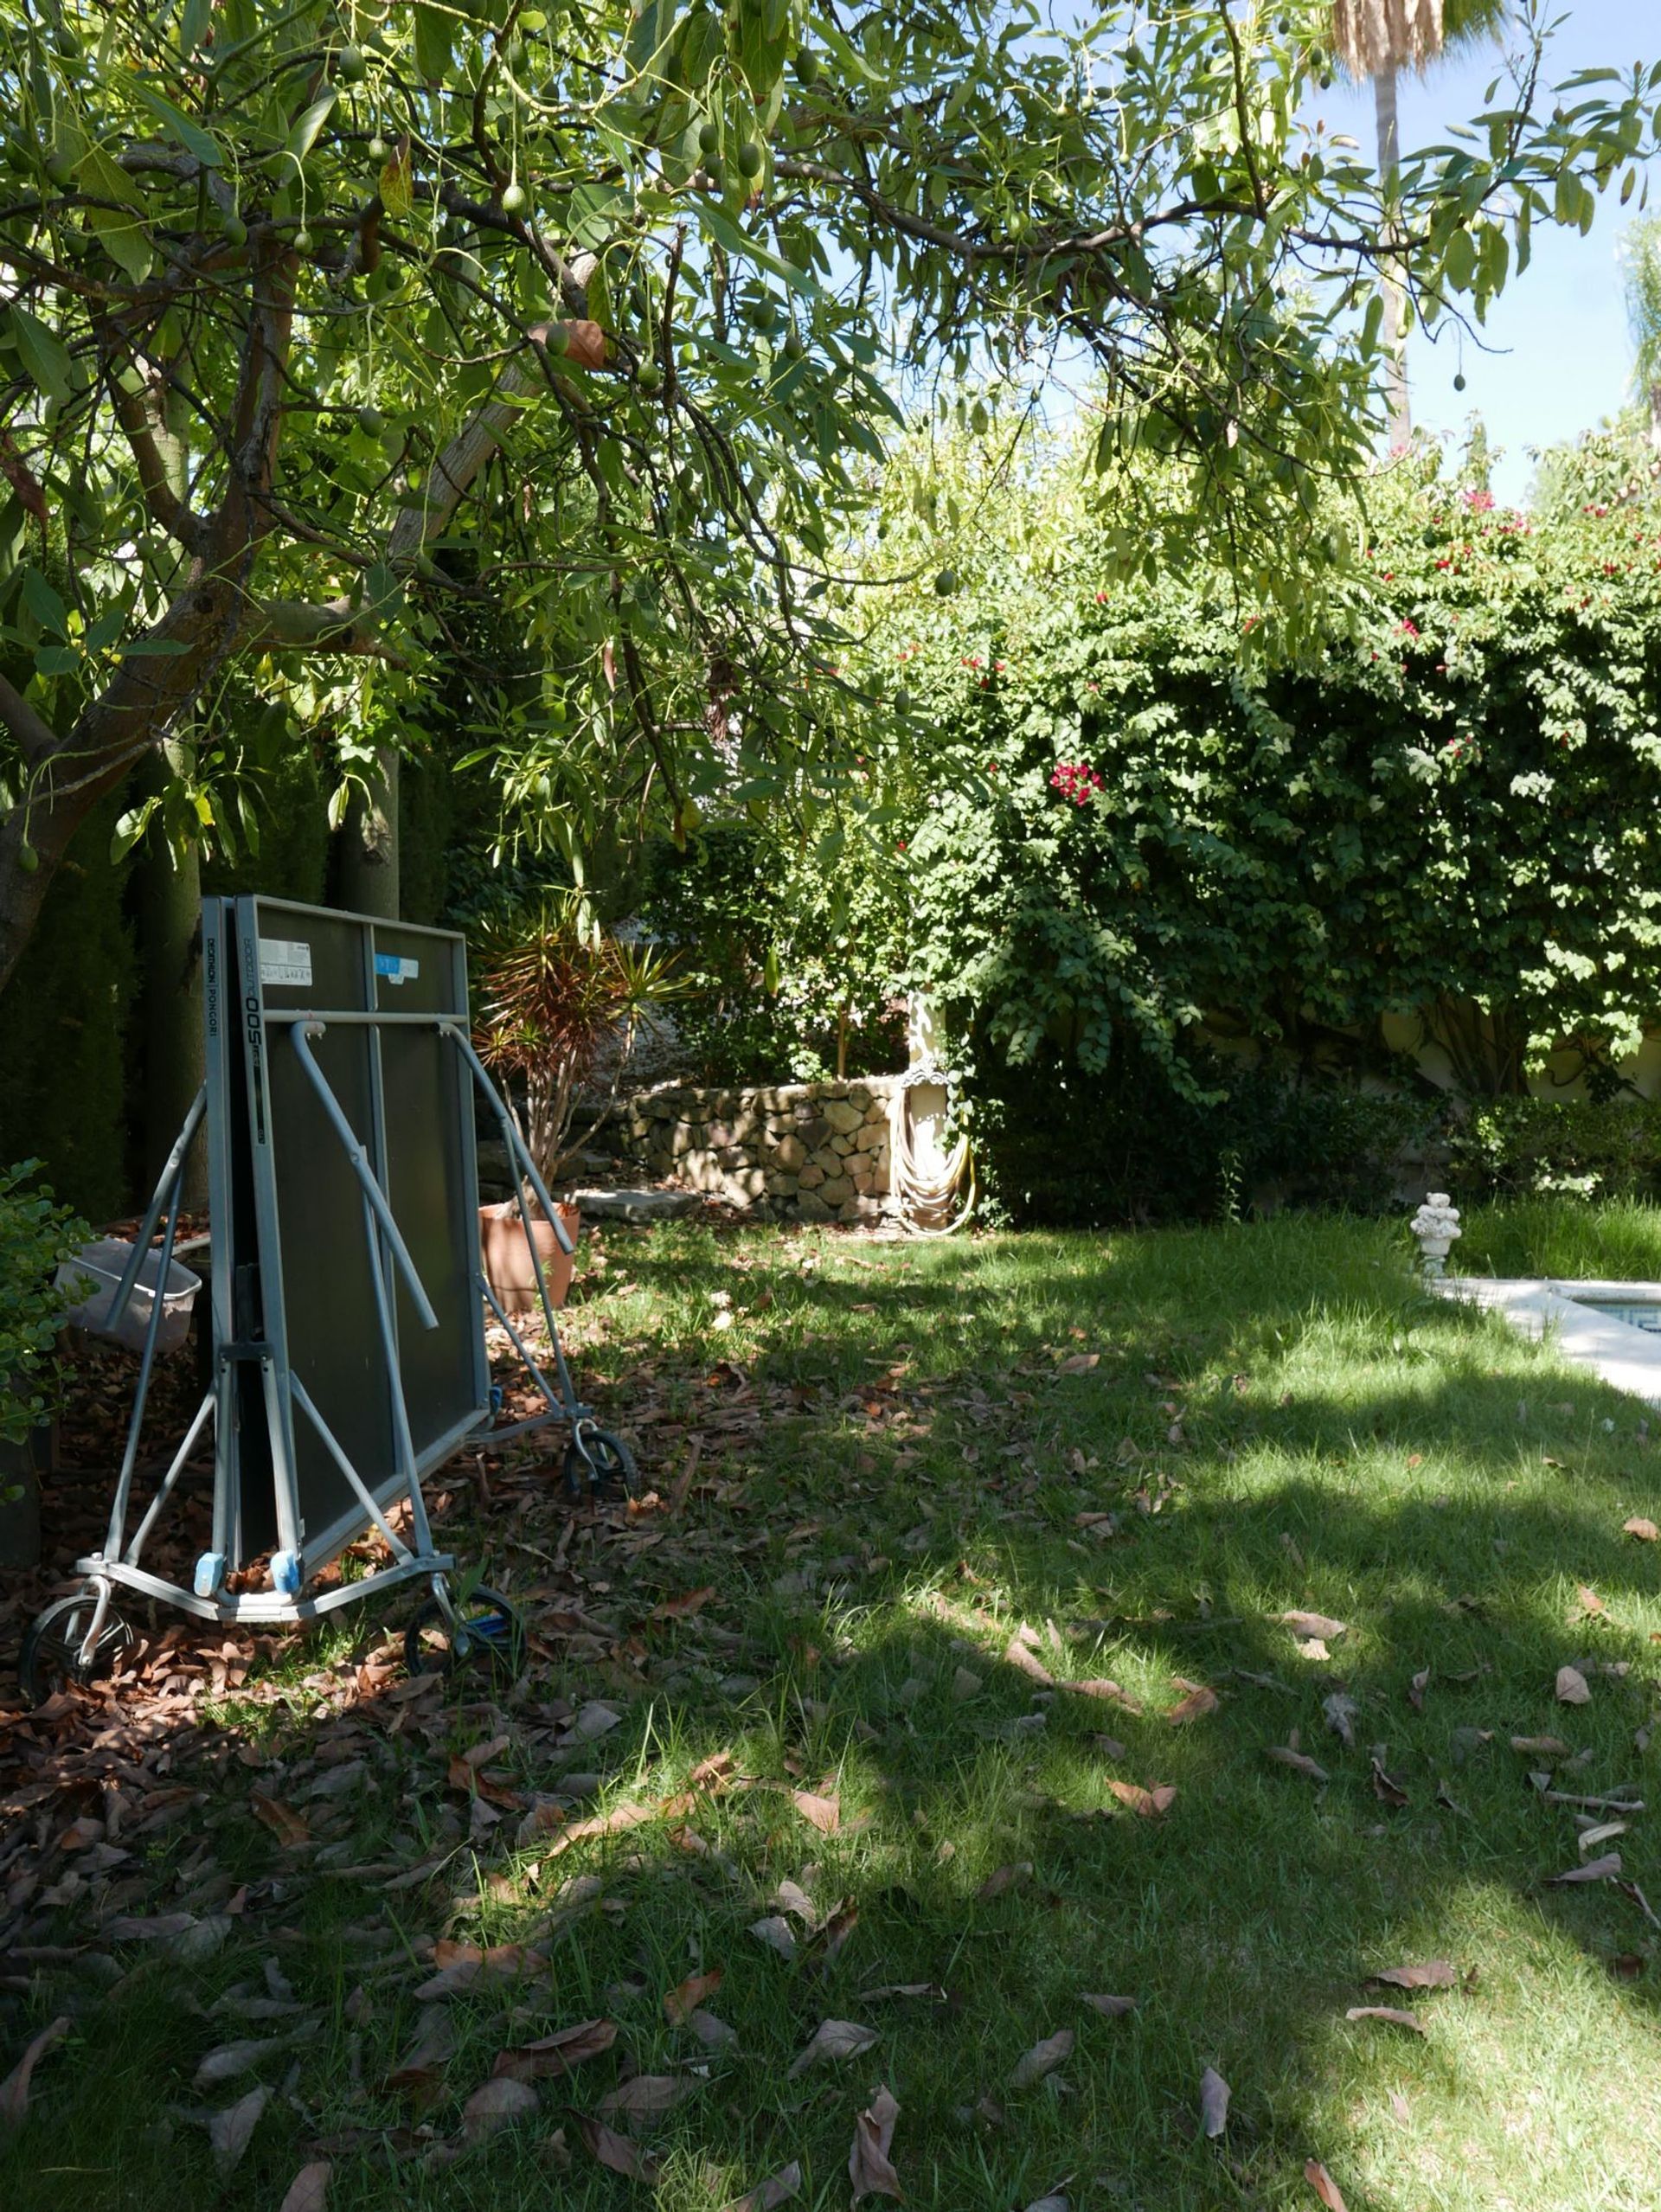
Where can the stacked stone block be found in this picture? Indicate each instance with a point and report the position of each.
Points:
(800, 1151)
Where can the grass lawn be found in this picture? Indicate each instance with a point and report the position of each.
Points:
(928, 1488)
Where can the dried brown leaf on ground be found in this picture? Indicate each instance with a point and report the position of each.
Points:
(1079, 1362)
(229, 2131)
(1043, 2058)
(1054, 2202)
(776, 1931)
(1396, 2017)
(1572, 1687)
(1213, 2102)
(1017, 1655)
(820, 1812)
(1417, 1688)
(1004, 1879)
(309, 2191)
(1112, 2007)
(616, 1823)
(1386, 1788)
(649, 2093)
(682, 1608)
(1594, 1870)
(471, 1965)
(285, 1824)
(1150, 1804)
(1340, 1709)
(888, 1990)
(1199, 1700)
(1549, 1747)
(1108, 1691)
(1645, 1531)
(718, 1767)
(615, 2151)
(1591, 1604)
(1309, 1627)
(1324, 2186)
(1435, 1974)
(558, 2054)
(869, 2167)
(684, 2000)
(1284, 1754)
(421, 2067)
(13, 2090)
(230, 2059)
(767, 2195)
(714, 2035)
(833, 2040)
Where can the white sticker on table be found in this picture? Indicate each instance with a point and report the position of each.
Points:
(283, 961)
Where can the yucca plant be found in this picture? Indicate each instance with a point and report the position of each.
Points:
(552, 992)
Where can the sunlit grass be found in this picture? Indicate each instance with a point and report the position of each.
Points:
(1279, 1418)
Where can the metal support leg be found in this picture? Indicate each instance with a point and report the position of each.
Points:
(374, 1195)
(401, 1551)
(135, 1549)
(113, 1539)
(169, 1175)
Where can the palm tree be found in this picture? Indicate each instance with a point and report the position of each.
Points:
(1378, 39)
(1641, 254)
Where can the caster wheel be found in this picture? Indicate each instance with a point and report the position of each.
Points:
(608, 1471)
(488, 1635)
(51, 1657)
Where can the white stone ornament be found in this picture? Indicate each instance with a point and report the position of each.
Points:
(1436, 1225)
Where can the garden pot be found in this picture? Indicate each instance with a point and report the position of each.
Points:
(506, 1256)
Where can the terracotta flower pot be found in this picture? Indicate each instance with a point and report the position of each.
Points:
(506, 1256)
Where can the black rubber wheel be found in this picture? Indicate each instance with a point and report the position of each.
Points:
(489, 1635)
(608, 1471)
(50, 1659)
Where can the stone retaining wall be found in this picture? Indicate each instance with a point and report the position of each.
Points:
(800, 1151)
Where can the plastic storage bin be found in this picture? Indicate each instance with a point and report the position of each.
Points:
(102, 1266)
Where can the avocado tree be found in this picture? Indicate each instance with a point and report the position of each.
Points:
(322, 323)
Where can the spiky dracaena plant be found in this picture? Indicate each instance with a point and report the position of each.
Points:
(1375, 41)
(552, 994)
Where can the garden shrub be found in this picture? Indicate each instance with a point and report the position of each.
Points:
(35, 1236)
(1593, 1148)
(1061, 1145)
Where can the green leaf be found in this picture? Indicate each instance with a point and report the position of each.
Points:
(303, 136)
(728, 234)
(190, 135)
(44, 603)
(45, 360)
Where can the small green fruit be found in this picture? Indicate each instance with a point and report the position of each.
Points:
(349, 65)
(945, 583)
(708, 138)
(371, 421)
(902, 701)
(750, 158)
(28, 859)
(377, 151)
(233, 230)
(515, 200)
(713, 172)
(794, 349)
(61, 168)
(807, 68)
(1459, 381)
(303, 241)
(651, 380)
(66, 44)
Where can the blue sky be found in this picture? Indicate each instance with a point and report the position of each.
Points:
(1561, 356)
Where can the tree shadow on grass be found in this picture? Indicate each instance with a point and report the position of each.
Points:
(1243, 1919)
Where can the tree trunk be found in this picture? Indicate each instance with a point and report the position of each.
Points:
(367, 882)
(170, 1010)
(1655, 416)
(1396, 337)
